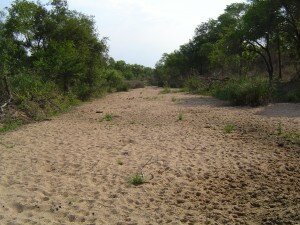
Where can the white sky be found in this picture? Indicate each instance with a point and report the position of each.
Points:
(140, 31)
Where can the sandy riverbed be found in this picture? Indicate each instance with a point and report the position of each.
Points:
(67, 170)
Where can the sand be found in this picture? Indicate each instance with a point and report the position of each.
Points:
(68, 170)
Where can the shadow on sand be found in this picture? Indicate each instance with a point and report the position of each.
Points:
(202, 101)
(289, 110)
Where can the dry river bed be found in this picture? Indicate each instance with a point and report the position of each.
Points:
(75, 168)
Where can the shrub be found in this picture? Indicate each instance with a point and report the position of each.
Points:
(135, 84)
(293, 96)
(39, 99)
(243, 91)
(10, 125)
(122, 87)
(194, 85)
(113, 79)
(30, 87)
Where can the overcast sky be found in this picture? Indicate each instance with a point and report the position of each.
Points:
(140, 31)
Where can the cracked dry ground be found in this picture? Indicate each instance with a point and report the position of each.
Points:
(67, 170)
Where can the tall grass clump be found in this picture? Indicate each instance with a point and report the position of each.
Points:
(252, 91)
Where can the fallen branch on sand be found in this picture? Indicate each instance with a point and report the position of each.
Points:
(149, 162)
(139, 178)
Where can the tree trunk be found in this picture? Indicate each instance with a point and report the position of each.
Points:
(279, 56)
(66, 83)
(7, 89)
(270, 62)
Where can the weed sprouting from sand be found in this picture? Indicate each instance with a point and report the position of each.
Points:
(229, 128)
(120, 162)
(137, 179)
(108, 117)
(279, 129)
(180, 117)
(174, 99)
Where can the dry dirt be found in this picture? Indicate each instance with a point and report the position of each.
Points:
(67, 170)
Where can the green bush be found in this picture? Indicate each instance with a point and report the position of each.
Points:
(194, 85)
(39, 99)
(10, 125)
(122, 87)
(30, 87)
(113, 79)
(134, 84)
(252, 91)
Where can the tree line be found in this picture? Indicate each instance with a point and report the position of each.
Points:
(254, 38)
(51, 56)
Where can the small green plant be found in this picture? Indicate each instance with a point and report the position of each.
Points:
(174, 99)
(279, 129)
(180, 117)
(229, 128)
(108, 117)
(137, 179)
(120, 162)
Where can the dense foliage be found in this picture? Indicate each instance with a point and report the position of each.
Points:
(248, 39)
(52, 56)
